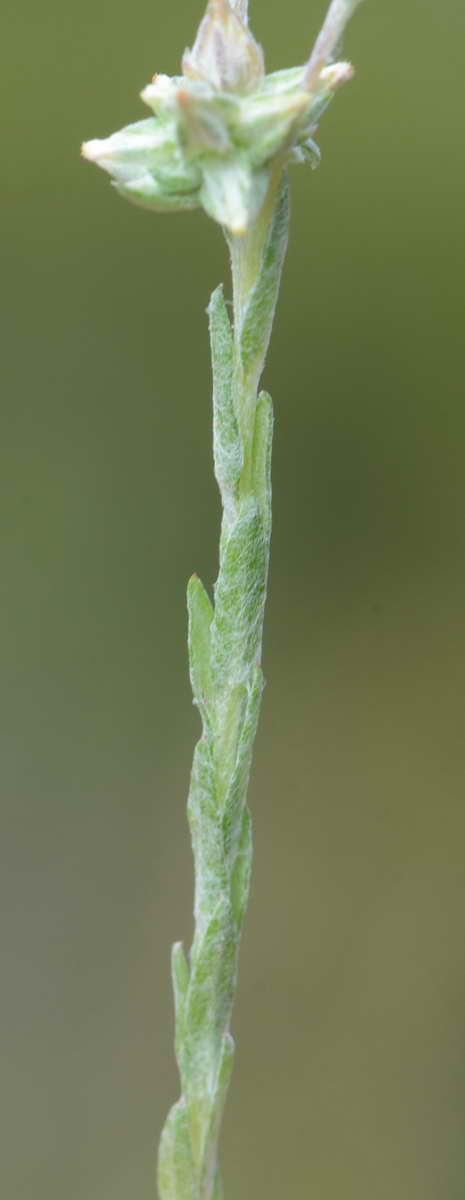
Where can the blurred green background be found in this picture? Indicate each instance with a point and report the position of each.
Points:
(349, 1082)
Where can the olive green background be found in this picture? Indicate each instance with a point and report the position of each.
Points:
(349, 1083)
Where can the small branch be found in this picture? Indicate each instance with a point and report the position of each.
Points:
(338, 15)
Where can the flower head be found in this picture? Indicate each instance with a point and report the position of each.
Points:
(219, 131)
(224, 53)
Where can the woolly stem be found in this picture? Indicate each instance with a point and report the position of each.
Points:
(225, 651)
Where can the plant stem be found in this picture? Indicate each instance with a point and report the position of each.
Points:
(247, 256)
(227, 683)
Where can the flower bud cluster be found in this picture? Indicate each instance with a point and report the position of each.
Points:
(219, 130)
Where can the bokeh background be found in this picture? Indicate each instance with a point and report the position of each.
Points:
(350, 1022)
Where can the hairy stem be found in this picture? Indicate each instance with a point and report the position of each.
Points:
(225, 651)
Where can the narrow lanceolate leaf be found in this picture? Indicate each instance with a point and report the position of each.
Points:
(220, 1089)
(227, 446)
(200, 612)
(206, 832)
(235, 798)
(239, 599)
(176, 1175)
(223, 1076)
(242, 870)
(262, 447)
(180, 978)
(209, 1000)
(259, 313)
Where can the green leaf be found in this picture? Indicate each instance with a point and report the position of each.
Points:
(235, 798)
(227, 446)
(242, 869)
(206, 832)
(176, 1176)
(218, 1102)
(180, 978)
(200, 612)
(258, 317)
(224, 1073)
(262, 447)
(209, 1000)
(239, 599)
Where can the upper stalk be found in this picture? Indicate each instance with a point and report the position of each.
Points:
(225, 652)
